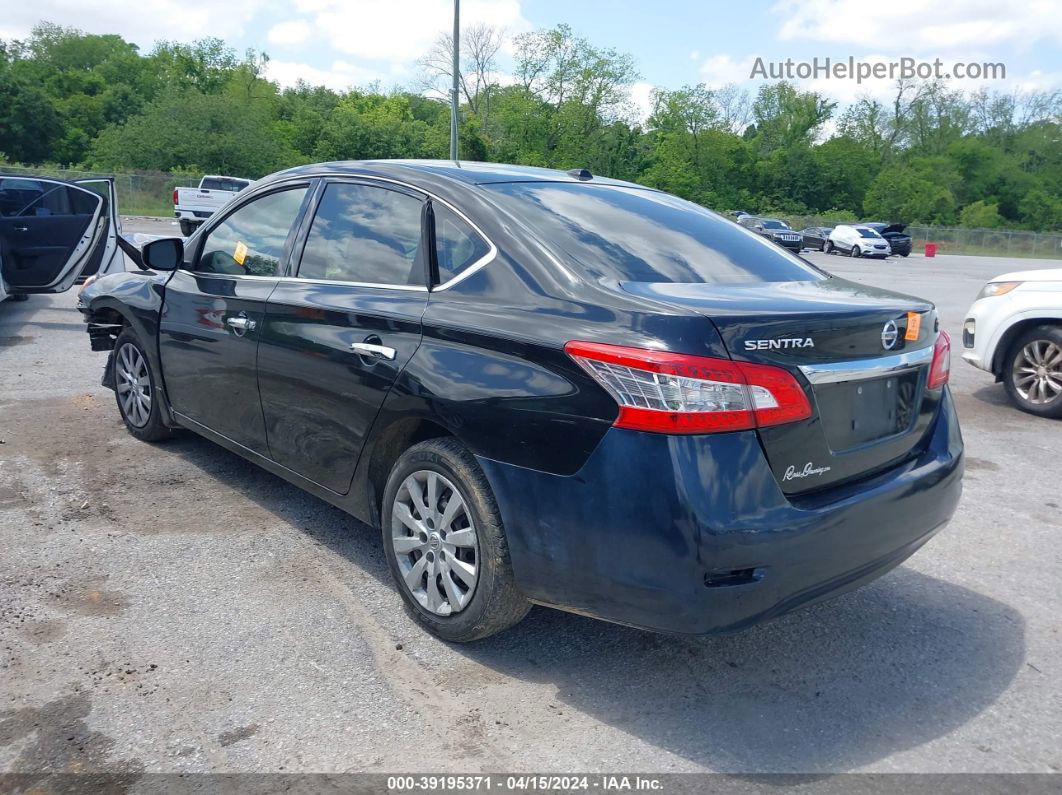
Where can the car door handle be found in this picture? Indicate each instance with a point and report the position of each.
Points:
(240, 324)
(368, 349)
(21, 228)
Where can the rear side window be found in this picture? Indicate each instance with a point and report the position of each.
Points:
(250, 242)
(632, 234)
(367, 234)
(457, 245)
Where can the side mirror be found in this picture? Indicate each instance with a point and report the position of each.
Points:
(163, 255)
(758, 227)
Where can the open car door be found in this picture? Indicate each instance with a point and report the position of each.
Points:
(52, 232)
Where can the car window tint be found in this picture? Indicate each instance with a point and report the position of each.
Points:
(214, 183)
(251, 240)
(633, 234)
(457, 245)
(30, 197)
(363, 233)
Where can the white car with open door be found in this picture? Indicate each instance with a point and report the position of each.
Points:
(54, 233)
(1014, 331)
(856, 241)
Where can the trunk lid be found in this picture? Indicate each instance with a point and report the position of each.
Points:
(848, 345)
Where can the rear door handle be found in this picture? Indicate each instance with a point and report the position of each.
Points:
(368, 349)
(240, 324)
(21, 228)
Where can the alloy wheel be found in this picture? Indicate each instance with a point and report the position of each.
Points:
(1037, 372)
(435, 543)
(134, 385)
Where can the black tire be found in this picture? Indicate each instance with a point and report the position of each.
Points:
(20, 297)
(188, 227)
(1052, 408)
(149, 427)
(828, 247)
(905, 254)
(823, 246)
(496, 604)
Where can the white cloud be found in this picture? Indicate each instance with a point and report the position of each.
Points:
(641, 99)
(136, 20)
(915, 26)
(294, 31)
(718, 70)
(401, 30)
(341, 77)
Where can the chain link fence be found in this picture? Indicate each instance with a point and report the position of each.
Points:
(956, 240)
(151, 193)
(140, 193)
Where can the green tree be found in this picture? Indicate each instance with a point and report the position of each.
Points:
(981, 215)
(901, 195)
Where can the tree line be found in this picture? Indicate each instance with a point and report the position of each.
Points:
(933, 154)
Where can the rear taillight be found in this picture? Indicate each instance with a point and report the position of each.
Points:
(941, 367)
(676, 393)
(175, 196)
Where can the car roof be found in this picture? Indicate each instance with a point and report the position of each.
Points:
(473, 173)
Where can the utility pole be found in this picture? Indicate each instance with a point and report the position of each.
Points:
(454, 103)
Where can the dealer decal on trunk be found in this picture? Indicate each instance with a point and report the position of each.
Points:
(792, 473)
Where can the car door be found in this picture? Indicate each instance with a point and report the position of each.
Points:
(50, 232)
(213, 312)
(108, 257)
(337, 335)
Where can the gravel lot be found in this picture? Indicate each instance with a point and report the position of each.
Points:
(172, 608)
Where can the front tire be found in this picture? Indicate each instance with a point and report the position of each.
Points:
(828, 247)
(135, 390)
(1033, 372)
(445, 544)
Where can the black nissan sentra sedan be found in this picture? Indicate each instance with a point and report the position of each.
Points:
(547, 388)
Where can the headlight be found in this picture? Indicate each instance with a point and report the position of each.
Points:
(996, 288)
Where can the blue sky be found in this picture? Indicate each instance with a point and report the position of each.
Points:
(353, 42)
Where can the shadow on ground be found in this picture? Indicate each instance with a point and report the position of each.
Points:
(893, 666)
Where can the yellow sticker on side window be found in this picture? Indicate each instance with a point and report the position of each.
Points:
(914, 325)
(240, 254)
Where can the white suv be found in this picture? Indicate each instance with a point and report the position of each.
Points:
(856, 241)
(1014, 331)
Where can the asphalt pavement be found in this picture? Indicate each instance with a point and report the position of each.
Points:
(172, 608)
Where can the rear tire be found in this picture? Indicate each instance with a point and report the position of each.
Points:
(187, 227)
(1032, 372)
(135, 390)
(459, 590)
(20, 297)
(828, 247)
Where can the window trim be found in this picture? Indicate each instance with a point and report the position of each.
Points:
(190, 265)
(299, 244)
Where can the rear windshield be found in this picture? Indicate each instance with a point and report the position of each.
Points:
(221, 183)
(640, 235)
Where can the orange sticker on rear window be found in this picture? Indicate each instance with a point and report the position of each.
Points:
(240, 254)
(914, 325)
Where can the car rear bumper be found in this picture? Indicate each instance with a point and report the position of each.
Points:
(691, 534)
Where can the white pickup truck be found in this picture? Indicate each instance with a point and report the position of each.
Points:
(192, 206)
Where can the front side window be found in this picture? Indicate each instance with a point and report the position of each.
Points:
(366, 234)
(250, 242)
(457, 245)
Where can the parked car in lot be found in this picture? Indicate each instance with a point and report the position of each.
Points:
(192, 206)
(1014, 331)
(815, 237)
(54, 233)
(773, 229)
(856, 241)
(543, 388)
(899, 243)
